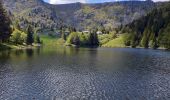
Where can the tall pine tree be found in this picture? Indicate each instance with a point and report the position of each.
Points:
(5, 29)
(93, 38)
(30, 37)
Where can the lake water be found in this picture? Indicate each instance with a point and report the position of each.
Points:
(63, 73)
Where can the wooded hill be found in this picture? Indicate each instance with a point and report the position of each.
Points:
(152, 30)
(81, 16)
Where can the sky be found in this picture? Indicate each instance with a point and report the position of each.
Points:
(87, 1)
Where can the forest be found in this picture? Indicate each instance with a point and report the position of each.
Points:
(11, 33)
(150, 31)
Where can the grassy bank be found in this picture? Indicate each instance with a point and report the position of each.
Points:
(117, 42)
(47, 41)
(4, 46)
(7, 46)
(51, 41)
(106, 39)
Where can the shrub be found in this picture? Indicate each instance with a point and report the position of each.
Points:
(18, 37)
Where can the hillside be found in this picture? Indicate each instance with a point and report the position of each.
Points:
(33, 12)
(152, 30)
(80, 16)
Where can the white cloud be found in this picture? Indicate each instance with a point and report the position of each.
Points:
(160, 0)
(65, 1)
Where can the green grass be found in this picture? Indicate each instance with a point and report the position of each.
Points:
(104, 38)
(118, 42)
(51, 41)
(47, 41)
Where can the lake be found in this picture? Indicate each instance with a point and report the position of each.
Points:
(64, 73)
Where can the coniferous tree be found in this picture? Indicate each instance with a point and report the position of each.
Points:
(145, 40)
(38, 39)
(62, 32)
(76, 40)
(5, 29)
(63, 36)
(74, 29)
(17, 25)
(152, 30)
(93, 39)
(30, 38)
(154, 43)
(165, 38)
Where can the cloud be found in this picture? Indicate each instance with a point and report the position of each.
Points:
(65, 1)
(160, 0)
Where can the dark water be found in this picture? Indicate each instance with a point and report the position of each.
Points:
(85, 74)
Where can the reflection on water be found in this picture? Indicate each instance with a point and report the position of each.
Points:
(83, 73)
(29, 52)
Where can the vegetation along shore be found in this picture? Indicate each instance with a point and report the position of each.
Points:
(148, 31)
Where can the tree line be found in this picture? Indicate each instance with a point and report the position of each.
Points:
(150, 31)
(13, 33)
(83, 39)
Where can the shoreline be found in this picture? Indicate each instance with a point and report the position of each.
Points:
(160, 48)
(6, 46)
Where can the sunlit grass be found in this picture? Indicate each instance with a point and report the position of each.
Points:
(118, 42)
(104, 38)
(51, 41)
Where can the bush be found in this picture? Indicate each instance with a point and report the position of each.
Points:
(18, 37)
(81, 39)
(70, 39)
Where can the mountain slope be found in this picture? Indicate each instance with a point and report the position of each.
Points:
(34, 12)
(81, 16)
(152, 30)
(111, 15)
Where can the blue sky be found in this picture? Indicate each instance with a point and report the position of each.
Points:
(86, 1)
